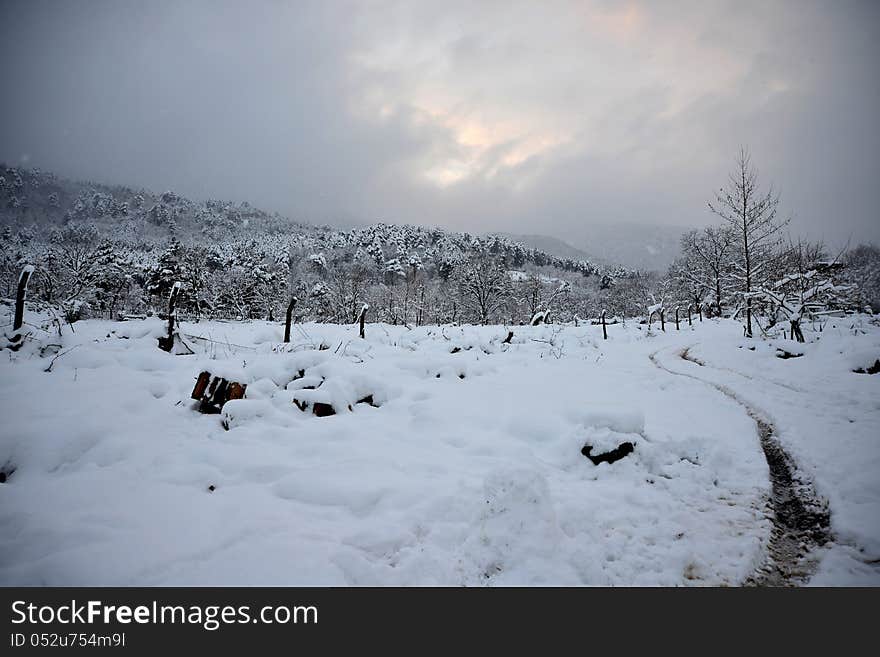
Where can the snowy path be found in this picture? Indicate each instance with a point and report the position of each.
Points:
(800, 518)
(824, 417)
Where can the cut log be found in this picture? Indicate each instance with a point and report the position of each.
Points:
(320, 409)
(201, 385)
(235, 390)
(214, 391)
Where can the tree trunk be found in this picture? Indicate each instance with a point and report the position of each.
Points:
(748, 287)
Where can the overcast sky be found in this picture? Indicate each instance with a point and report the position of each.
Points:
(539, 117)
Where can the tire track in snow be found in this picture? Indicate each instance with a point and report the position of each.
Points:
(801, 519)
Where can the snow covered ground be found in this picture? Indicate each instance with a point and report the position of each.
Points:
(467, 472)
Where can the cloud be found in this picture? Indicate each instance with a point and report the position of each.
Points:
(519, 116)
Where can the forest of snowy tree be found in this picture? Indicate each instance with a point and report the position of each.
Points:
(102, 251)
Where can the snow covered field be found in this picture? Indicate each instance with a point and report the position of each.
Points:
(468, 470)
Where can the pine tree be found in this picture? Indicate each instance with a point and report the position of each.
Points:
(167, 271)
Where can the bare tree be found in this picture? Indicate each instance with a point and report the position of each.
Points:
(484, 287)
(752, 215)
(706, 263)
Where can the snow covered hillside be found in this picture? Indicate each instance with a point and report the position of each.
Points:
(466, 468)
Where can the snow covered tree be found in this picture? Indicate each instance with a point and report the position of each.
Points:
(862, 271)
(807, 289)
(752, 215)
(197, 266)
(166, 272)
(484, 286)
(76, 259)
(47, 275)
(394, 272)
(348, 290)
(112, 277)
(10, 256)
(267, 287)
(705, 265)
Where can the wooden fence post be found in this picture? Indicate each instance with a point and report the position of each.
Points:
(362, 319)
(676, 318)
(287, 318)
(23, 279)
(172, 308)
(168, 342)
(604, 329)
(663, 320)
